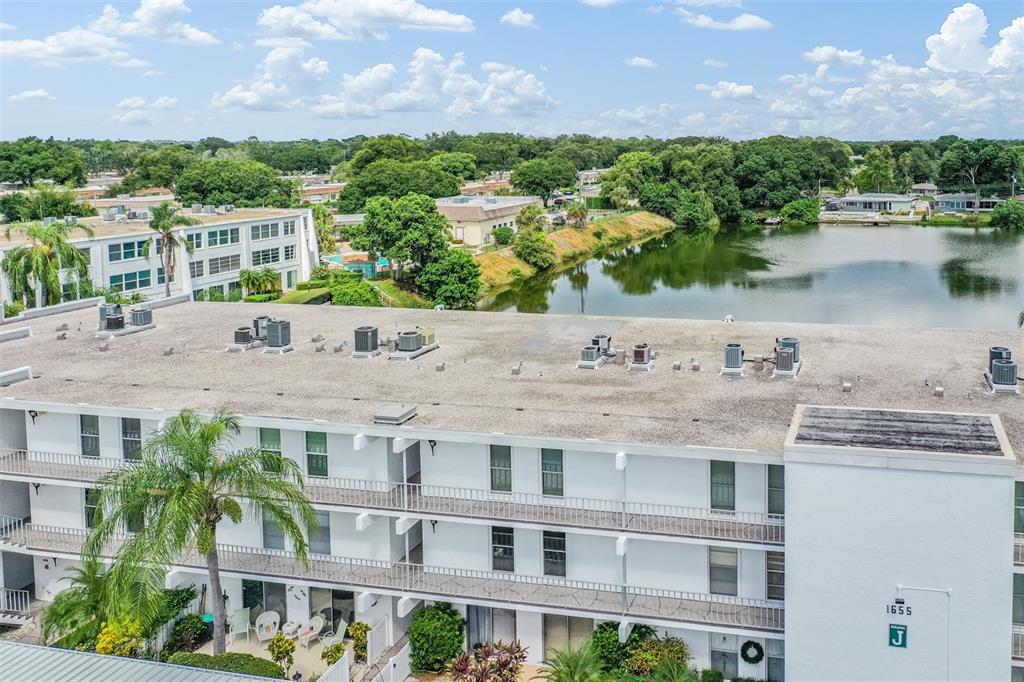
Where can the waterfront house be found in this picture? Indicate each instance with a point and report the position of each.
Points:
(921, 189)
(872, 203)
(963, 201)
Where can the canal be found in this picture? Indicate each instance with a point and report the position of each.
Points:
(903, 276)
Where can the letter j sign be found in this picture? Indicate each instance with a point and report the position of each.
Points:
(898, 636)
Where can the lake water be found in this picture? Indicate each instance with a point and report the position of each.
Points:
(903, 276)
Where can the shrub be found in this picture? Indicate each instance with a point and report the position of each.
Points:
(188, 634)
(710, 675)
(435, 637)
(12, 309)
(536, 249)
(282, 651)
(349, 288)
(493, 662)
(599, 233)
(263, 298)
(602, 203)
(232, 662)
(120, 639)
(801, 211)
(613, 653)
(334, 652)
(358, 631)
(453, 281)
(1009, 214)
(173, 601)
(646, 657)
(503, 235)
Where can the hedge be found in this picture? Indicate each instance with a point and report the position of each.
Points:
(231, 662)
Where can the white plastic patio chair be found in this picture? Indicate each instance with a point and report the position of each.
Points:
(239, 624)
(310, 631)
(266, 625)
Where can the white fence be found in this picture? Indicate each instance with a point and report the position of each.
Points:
(396, 669)
(377, 641)
(339, 672)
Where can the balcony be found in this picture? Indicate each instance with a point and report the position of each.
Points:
(1018, 549)
(15, 607)
(432, 582)
(1017, 651)
(441, 501)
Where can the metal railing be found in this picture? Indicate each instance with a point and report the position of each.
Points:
(577, 512)
(15, 601)
(619, 601)
(1017, 650)
(1018, 549)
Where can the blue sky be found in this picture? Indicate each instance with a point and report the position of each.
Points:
(184, 69)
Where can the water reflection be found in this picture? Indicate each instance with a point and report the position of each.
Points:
(908, 276)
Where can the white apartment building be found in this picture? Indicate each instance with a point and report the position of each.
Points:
(224, 242)
(852, 522)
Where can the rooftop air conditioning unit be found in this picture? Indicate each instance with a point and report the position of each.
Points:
(197, 208)
(603, 342)
(1004, 373)
(70, 219)
(106, 310)
(243, 336)
(787, 357)
(259, 326)
(124, 196)
(792, 343)
(590, 354)
(733, 364)
(367, 339)
(115, 322)
(142, 215)
(140, 317)
(49, 220)
(640, 354)
(107, 216)
(410, 341)
(998, 353)
(229, 207)
(132, 215)
(784, 360)
(426, 336)
(279, 333)
(209, 209)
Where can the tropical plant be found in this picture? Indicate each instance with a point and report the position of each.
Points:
(74, 619)
(323, 221)
(490, 662)
(188, 634)
(282, 651)
(671, 670)
(535, 248)
(262, 281)
(333, 653)
(165, 221)
(49, 252)
(569, 664)
(646, 657)
(801, 211)
(435, 637)
(530, 217)
(613, 653)
(359, 632)
(185, 484)
(233, 662)
(577, 214)
(120, 638)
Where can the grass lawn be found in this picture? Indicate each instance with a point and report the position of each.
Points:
(400, 297)
(299, 296)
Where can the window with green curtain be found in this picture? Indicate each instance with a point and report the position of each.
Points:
(776, 489)
(131, 438)
(501, 468)
(1018, 598)
(270, 440)
(92, 500)
(723, 485)
(316, 453)
(552, 473)
(1018, 507)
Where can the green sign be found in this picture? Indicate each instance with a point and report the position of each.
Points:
(898, 636)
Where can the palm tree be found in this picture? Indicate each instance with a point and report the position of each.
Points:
(574, 665)
(259, 281)
(577, 215)
(76, 615)
(185, 484)
(671, 670)
(165, 222)
(48, 253)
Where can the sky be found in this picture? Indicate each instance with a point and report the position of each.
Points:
(186, 69)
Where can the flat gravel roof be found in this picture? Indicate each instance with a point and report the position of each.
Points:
(477, 391)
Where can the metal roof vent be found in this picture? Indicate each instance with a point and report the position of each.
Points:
(279, 337)
(787, 357)
(367, 342)
(394, 415)
(641, 358)
(412, 344)
(1003, 377)
(733, 359)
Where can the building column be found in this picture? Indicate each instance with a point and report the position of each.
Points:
(530, 633)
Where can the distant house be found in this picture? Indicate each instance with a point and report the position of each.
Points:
(322, 193)
(473, 218)
(140, 201)
(963, 201)
(921, 189)
(872, 203)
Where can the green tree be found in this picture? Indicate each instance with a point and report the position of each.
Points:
(531, 218)
(394, 179)
(452, 281)
(574, 664)
(459, 164)
(186, 484)
(503, 235)
(535, 248)
(973, 163)
(878, 172)
(394, 147)
(577, 214)
(29, 159)
(349, 288)
(75, 616)
(541, 177)
(261, 281)
(242, 183)
(165, 221)
(1009, 215)
(323, 221)
(41, 261)
(435, 637)
(42, 201)
(404, 230)
(918, 164)
(802, 211)
(158, 168)
(630, 173)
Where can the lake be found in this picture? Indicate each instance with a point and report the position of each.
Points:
(900, 275)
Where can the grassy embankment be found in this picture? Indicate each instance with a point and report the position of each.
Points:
(500, 269)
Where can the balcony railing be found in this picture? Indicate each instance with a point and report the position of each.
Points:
(614, 601)
(14, 602)
(1018, 642)
(1018, 549)
(576, 512)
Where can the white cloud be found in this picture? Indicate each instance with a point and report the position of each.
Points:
(716, 63)
(600, 3)
(135, 102)
(1008, 53)
(640, 62)
(358, 19)
(4, 26)
(519, 19)
(710, 3)
(152, 72)
(282, 41)
(73, 46)
(133, 117)
(157, 19)
(164, 103)
(280, 69)
(26, 95)
(728, 90)
(645, 116)
(430, 84)
(741, 22)
(959, 44)
(828, 54)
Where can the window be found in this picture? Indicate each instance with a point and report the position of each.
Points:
(503, 550)
(89, 427)
(268, 231)
(289, 252)
(776, 489)
(92, 501)
(1018, 507)
(725, 655)
(130, 281)
(131, 438)
(722, 565)
(195, 240)
(270, 440)
(225, 264)
(266, 256)
(775, 652)
(552, 475)
(320, 539)
(316, 453)
(289, 228)
(196, 269)
(501, 468)
(554, 553)
(228, 235)
(723, 485)
(775, 570)
(126, 250)
(291, 278)
(273, 538)
(160, 276)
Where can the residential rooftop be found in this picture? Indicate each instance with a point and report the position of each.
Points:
(478, 391)
(479, 207)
